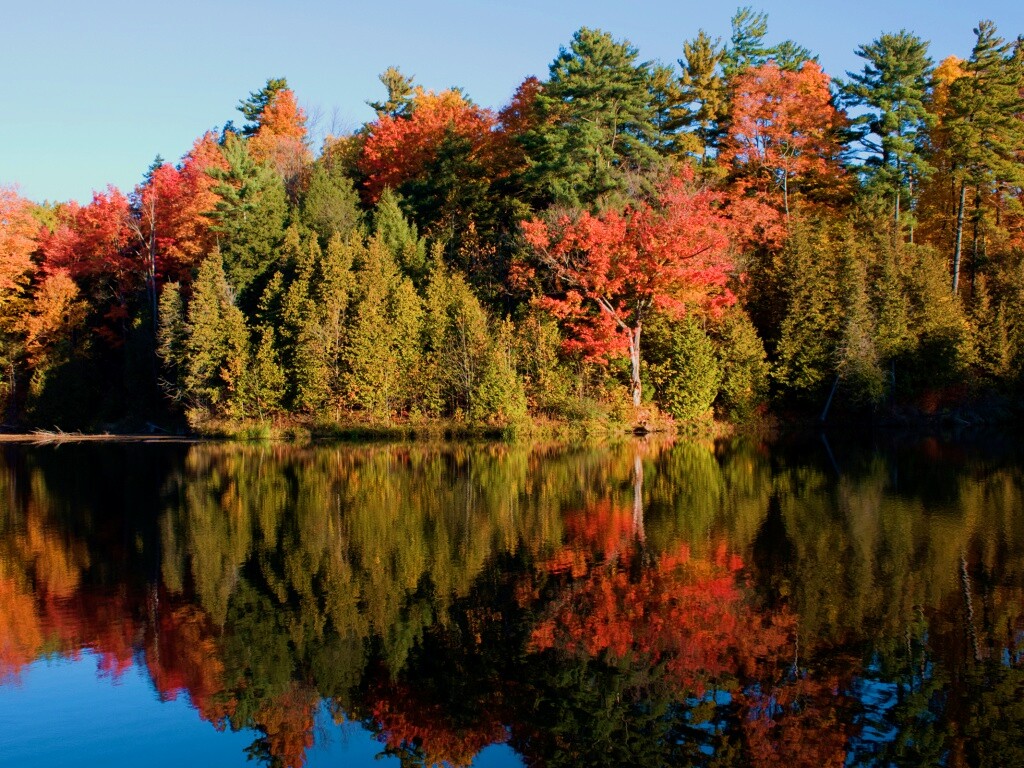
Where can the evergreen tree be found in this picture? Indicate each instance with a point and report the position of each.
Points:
(382, 347)
(892, 93)
(468, 369)
(683, 369)
(704, 95)
(400, 94)
(744, 364)
(400, 236)
(811, 324)
(857, 358)
(746, 44)
(250, 215)
(216, 343)
(547, 382)
(332, 294)
(171, 340)
(331, 204)
(747, 48)
(265, 378)
(986, 132)
(596, 130)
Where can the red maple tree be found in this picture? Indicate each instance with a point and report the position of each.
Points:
(614, 269)
(783, 126)
(397, 149)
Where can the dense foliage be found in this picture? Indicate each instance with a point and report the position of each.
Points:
(794, 238)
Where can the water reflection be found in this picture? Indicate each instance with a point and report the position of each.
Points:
(644, 603)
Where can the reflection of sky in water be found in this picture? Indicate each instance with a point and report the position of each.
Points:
(95, 719)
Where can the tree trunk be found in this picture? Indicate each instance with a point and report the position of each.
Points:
(634, 358)
(958, 242)
(785, 192)
(975, 221)
(638, 496)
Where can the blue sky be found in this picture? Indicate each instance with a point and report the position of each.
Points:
(94, 91)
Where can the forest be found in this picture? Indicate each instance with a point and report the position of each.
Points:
(731, 236)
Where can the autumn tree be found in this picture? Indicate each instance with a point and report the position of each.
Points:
(438, 155)
(783, 129)
(253, 106)
(280, 139)
(614, 269)
(168, 217)
(18, 231)
(94, 245)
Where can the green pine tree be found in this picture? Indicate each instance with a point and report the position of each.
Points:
(330, 205)
(704, 98)
(596, 130)
(891, 95)
(249, 217)
(986, 133)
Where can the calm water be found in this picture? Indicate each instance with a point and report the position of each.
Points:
(640, 604)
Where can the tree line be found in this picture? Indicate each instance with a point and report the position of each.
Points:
(733, 233)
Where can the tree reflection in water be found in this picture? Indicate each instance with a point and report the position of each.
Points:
(643, 603)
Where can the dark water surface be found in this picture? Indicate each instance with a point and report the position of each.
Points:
(641, 604)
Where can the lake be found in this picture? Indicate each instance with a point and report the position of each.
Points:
(647, 602)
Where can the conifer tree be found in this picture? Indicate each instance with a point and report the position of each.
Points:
(986, 133)
(264, 378)
(400, 236)
(810, 330)
(744, 364)
(332, 294)
(171, 340)
(704, 96)
(381, 350)
(596, 127)
(249, 216)
(857, 358)
(216, 343)
(330, 205)
(892, 92)
(684, 370)
(747, 47)
(400, 94)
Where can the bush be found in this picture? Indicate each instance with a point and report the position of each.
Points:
(684, 373)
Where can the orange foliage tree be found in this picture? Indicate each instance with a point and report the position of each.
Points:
(18, 231)
(399, 149)
(783, 127)
(614, 269)
(169, 219)
(94, 245)
(281, 139)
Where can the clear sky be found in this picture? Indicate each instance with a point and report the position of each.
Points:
(95, 90)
